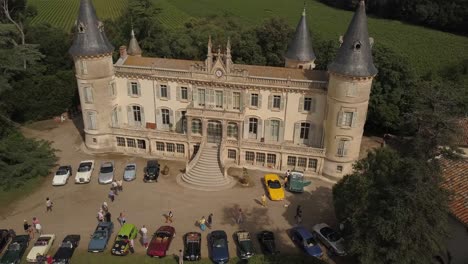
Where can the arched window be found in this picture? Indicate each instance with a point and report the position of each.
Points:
(135, 115)
(196, 126)
(232, 130)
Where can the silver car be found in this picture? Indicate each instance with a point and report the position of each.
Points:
(130, 172)
(106, 173)
(330, 239)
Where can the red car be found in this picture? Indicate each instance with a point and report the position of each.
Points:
(161, 241)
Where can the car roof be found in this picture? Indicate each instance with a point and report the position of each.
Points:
(83, 161)
(107, 163)
(193, 236)
(130, 164)
(272, 176)
(63, 167)
(218, 233)
(303, 231)
(126, 229)
(71, 238)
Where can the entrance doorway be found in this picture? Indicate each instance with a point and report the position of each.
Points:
(214, 132)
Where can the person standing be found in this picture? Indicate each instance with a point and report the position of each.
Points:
(49, 205)
(100, 215)
(202, 223)
(264, 200)
(240, 217)
(26, 226)
(122, 219)
(108, 216)
(144, 236)
(120, 185)
(181, 257)
(298, 215)
(169, 217)
(105, 208)
(111, 195)
(35, 221)
(210, 220)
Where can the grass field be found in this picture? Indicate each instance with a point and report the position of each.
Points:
(426, 49)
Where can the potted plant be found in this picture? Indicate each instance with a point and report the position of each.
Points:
(165, 170)
(245, 179)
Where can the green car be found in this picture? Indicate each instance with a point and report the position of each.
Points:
(121, 245)
(15, 250)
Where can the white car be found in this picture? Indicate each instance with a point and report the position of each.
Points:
(41, 247)
(62, 175)
(330, 239)
(83, 174)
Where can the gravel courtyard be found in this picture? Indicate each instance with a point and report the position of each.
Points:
(75, 206)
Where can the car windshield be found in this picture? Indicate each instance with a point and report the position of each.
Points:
(152, 169)
(67, 244)
(41, 242)
(274, 184)
(330, 234)
(310, 242)
(14, 247)
(99, 235)
(219, 243)
(84, 167)
(61, 172)
(130, 168)
(107, 169)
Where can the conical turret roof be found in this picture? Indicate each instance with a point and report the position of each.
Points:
(133, 47)
(354, 57)
(300, 48)
(90, 38)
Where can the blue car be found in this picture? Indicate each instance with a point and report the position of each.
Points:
(306, 241)
(219, 247)
(101, 236)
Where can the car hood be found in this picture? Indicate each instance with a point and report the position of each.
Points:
(60, 178)
(97, 244)
(314, 251)
(120, 246)
(37, 250)
(10, 257)
(63, 253)
(340, 247)
(277, 193)
(129, 174)
(84, 175)
(106, 176)
(220, 253)
(246, 247)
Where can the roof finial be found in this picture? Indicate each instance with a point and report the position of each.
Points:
(300, 47)
(228, 45)
(304, 11)
(133, 47)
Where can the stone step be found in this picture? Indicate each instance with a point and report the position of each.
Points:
(205, 173)
(206, 164)
(203, 183)
(211, 177)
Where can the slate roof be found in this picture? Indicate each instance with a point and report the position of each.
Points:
(133, 47)
(300, 48)
(455, 173)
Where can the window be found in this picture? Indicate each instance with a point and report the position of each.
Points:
(160, 146)
(254, 100)
(232, 154)
(307, 103)
(236, 100)
(141, 143)
(301, 162)
(249, 156)
(180, 148)
(347, 119)
(351, 90)
(84, 67)
(313, 164)
(271, 159)
(253, 126)
(219, 99)
(184, 122)
(196, 126)
(115, 117)
(92, 120)
(276, 101)
(184, 93)
(165, 116)
(260, 158)
(274, 127)
(88, 94)
(339, 168)
(134, 89)
(121, 142)
(305, 128)
(170, 147)
(94, 140)
(201, 97)
(136, 114)
(291, 161)
(342, 148)
(232, 130)
(163, 93)
(131, 143)
(113, 90)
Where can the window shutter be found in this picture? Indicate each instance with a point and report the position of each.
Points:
(281, 132)
(270, 101)
(178, 121)
(267, 131)
(259, 129)
(158, 91)
(249, 99)
(114, 117)
(297, 133)
(241, 101)
(340, 119)
(345, 148)
(212, 92)
(129, 88)
(282, 102)
(168, 92)
(92, 120)
(171, 117)
(130, 116)
(313, 104)
(354, 120)
(158, 119)
(195, 96)
(259, 100)
(246, 128)
(142, 111)
(178, 92)
(225, 96)
(229, 99)
(312, 135)
(189, 94)
(139, 88)
(301, 104)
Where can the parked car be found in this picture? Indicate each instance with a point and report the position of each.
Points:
(274, 188)
(192, 246)
(245, 245)
(151, 171)
(161, 241)
(5, 236)
(84, 172)
(41, 247)
(306, 241)
(106, 173)
(66, 249)
(267, 242)
(100, 237)
(219, 247)
(296, 182)
(61, 175)
(130, 172)
(331, 239)
(121, 245)
(15, 250)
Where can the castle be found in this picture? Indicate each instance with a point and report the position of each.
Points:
(276, 118)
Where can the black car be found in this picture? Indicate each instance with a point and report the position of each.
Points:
(192, 246)
(219, 247)
(151, 171)
(5, 236)
(15, 250)
(66, 249)
(267, 242)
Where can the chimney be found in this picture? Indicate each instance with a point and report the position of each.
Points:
(123, 52)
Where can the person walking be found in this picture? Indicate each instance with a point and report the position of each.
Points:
(49, 205)
(181, 257)
(298, 215)
(122, 219)
(210, 220)
(100, 215)
(105, 207)
(144, 236)
(35, 221)
(264, 200)
(169, 217)
(202, 223)
(26, 225)
(120, 185)
(114, 187)
(108, 216)
(39, 228)
(111, 195)
(240, 217)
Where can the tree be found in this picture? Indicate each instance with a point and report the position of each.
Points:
(394, 208)
(273, 37)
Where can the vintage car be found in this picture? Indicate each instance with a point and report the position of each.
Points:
(5, 236)
(192, 246)
(151, 171)
(84, 172)
(244, 245)
(15, 250)
(106, 172)
(296, 182)
(41, 247)
(273, 186)
(267, 242)
(66, 249)
(330, 239)
(161, 241)
(306, 241)
(121, 245)
(100, 237)
(130, 172)
(219, 247)
(62, 175)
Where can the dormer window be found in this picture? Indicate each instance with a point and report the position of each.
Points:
(357, 45)
(81, 27)
(100, 26)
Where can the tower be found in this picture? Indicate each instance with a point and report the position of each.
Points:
(133, 47)
(349, 87)
(92, 54)
(209, 56)
(228, 61)
(300, 53)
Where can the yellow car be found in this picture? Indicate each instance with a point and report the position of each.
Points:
(274, 188)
